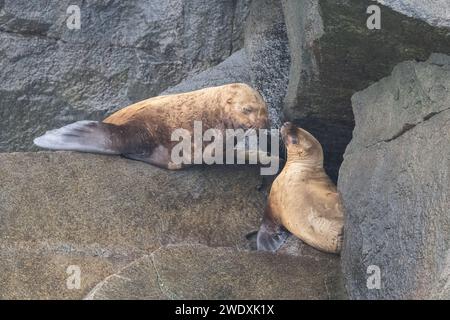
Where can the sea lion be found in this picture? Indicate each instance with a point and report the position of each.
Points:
(142, 131)
(302, 200)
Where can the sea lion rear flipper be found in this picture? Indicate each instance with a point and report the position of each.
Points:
(271, 235)
(84, 136)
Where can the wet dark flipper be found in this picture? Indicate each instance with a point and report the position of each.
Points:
(158, 156)
(271, 235)
(138, 157)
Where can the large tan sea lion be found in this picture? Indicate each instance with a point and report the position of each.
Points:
(302, 200)
(142, 131)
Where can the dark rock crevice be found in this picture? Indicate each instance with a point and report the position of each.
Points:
(52, 39)
(163, 288)
(409, 126)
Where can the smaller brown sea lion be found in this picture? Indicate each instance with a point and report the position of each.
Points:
(302, 200)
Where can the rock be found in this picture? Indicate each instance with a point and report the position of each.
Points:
(126, 51)
(137, 280)
(412, 94)
(433, 12)
(240, 17)
(267, 49)
(34, 273)
(334, 55)
(234, 69)
(395, 184)
(102, 212)
(199, 272)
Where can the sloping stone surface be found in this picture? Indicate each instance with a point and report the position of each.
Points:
(395, 184)
(33, 272)
(198, 272)
(100, 212)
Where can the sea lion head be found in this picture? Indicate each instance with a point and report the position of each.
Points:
(245, 108)
(301, 146)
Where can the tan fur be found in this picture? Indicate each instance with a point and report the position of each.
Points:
(211, 105)
(229, 106)
(303, 198)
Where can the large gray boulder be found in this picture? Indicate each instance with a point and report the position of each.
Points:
(395, 184)
(234, 69)
(433, 12)
(199, 272)
(334, 55)
(124, 52)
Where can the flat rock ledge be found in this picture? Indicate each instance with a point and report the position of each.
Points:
(105, 215)
(199, 272)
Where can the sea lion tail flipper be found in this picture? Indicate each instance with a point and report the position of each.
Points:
(84, 136)
(271, 235)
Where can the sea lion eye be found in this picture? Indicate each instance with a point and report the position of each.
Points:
(247, 110)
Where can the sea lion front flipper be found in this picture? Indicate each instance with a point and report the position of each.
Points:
(271, 235)
(159, 157)
(155, 162)
(144, 158)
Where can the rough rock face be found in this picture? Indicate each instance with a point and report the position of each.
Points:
(61, 209)
(433, 12)
(233, 69)
(222, 273)
(267, 49)
(125, 51)
(395, 184)
(334, 55)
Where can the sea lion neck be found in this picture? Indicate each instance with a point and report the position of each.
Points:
(304, 164)
(313, 157)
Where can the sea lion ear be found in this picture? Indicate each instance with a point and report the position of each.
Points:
(307, 144)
